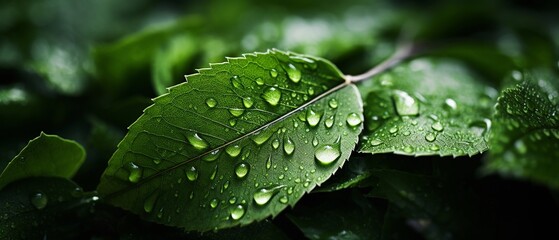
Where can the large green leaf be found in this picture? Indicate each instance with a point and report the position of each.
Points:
(38, 207)
(44, 156)
(237, 142)
(427, 107)
(525, 135)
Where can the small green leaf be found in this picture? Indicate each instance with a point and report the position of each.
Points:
(525, 135)
(37, 207)
(343, 215)
(427, 107)
(238, 142)
(44, 156)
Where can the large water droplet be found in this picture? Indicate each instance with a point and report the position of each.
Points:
(192, 173)
(313, 118)
(288, 146)
(263, 195)
(333, 103)
(283, 199)
(233, 150)
(212, 156)
(405, 104)
(196, 141)
(430, 137)
(327, 154)
(329, 122)
(237, 212)
(275, 143)
(260, 81)
(211, 102)
(248, 102)
(39, 200)
(242, 169)
(236, 82)
(213, 203)
(437, 126)
(272, 95)
(293, 73)
(273, 73)
(150, 202)
(450, 104)
(135, 172)
(262, 137)
(353, 119)
(236, 112)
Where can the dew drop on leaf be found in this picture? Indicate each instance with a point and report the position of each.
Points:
(430, 137)
(450, 104)
(405, 104)
(39, 200)
(259, 81)
(236, 112)
(329, 122)
(236, 82)
(434, 147)
(393, 130)
(233, 150)
(293, 73)
(263, 195)
(437, 126)
(353, 119)
(262, 137)
(269, 162)
(313, 118)
(135, 172)
(212, 156)
(283, 199)
(157, 161)
(211, 102)
(237, 212)
(192, 173)
(273, 73)
(275, 143)
(248, 102)
(315, 141)
(375, 142)
(288, 146)
(150, 202)
(272, 96)
(242, 169)
(196, 141)
(213, 203)
(327, 154)
(333, 103)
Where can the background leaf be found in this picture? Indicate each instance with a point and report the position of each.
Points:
(44, 156)
(525, 136)
(427, 107)
(238, 142)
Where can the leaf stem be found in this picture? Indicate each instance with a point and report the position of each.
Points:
(404, 51)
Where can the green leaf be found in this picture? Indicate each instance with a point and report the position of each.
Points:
(236, 143)
(338, 216)
(44, 156)
(427, 107)
(525, 133)
(38, 207)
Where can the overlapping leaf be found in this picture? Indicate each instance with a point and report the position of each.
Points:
(525, 135)
(427, 107)
(237, 142)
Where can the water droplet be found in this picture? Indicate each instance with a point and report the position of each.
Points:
(293, 73)
(272, 95)
(273, 73)
(39, 200)
(157, 161)
(263, 195)
(262, 137)
(269, 162)
(135, 172)
(315, 141)
(248, 102)
(236, 82)
(353, 119)
(333, 103)
(288, 146)
(328, 153)
(450, 104)
(313, 118)
(232, 200)
(437, 126)
(160, 213)
(232, 122)
(211, 102)
(283, 199)
(237, 212)
(375, 142)
(213, 203)
(212, 156)
(214, 173)
(233, 150)
(260, 81)
(517, 75)
(434, 147)
(275, 143)
(408, 149)
(393, 130)
(430, 137)
(520, 146)
(241, 170)
(192, 173)
(236, 112)
(196, 141)
(405, 104)
(329, 122)
(311, 91)
(150, 202)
